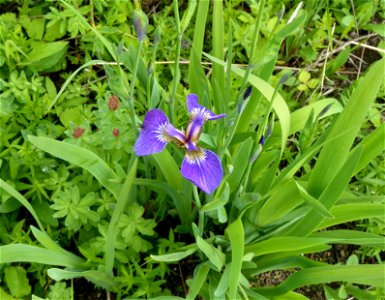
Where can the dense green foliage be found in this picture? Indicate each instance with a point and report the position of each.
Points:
(302, 148)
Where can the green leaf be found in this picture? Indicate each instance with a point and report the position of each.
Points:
(5, 296)
(311, 201)
(235, 233)
(82, 158)
(240, 162)
(112, 231)
(304, 76)
(218, 75)
(10, 190)
(169, 169)
(372, 275)
(334, 154)
(175, 256)
(44, 55)
(199, 278)
(373, 144)
(17, 281)
(344, 213)
(224, 282)
(221, 198)
(188, 14)
(283, 200)
(196, 76)
(26, 253)
(215, 256)
(352, 237)
(34, 27)
(48, 243)
(329, 196)
(97, 277)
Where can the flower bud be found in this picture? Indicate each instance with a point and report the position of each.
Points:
(115, 132)
(140, 23)
(157, 36)
(113, 103)
(78, 132)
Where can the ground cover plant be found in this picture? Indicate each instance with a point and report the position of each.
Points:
(192, 150)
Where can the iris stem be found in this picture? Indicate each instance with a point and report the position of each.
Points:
(201, 214)
(132, 88)
(176, 66)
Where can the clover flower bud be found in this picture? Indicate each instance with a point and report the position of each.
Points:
(78, 132)
(113, 103)
(115, 132)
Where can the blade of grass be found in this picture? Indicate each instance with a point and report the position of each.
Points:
(218, 75)
(69, 79)
(240, 161)
(215, 256)
(175, 256)
(344, 213)
(82, 158)
(97, 277)
(312, 202)
(373, 144)
(169, 169)
(10, 190)
(48, 243)
(329, 197)
(372, 275)
(121, 203)
(295, 243)
(196, 75)
(26, 253)
(197, 281)
(235, 234)
(252, 53)
(281, 202)
(333, 155)
(353, 237)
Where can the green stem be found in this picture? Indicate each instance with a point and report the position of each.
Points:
(152, 66)
(245, 78)
(176, 65)
(252, 53)
(201, 214)
(132, 88)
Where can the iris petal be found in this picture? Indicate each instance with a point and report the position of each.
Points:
(196, 109)
(152, 137)
(203, 168)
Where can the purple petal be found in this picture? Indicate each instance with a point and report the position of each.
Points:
(152, 137)
(195, 109)
(203, 168)
(175, 135)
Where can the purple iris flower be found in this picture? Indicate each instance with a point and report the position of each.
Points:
(202, 167)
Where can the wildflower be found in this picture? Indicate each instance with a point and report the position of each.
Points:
(115, 132)
(78, 132)
(113, 103)
(201, 166)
